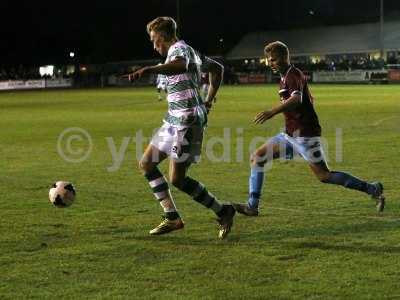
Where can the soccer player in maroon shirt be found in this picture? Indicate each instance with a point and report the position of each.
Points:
(302, 135)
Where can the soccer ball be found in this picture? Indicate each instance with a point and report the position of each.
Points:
(62, 194)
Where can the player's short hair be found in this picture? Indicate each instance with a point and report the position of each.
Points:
(277, 48)
(164, 25)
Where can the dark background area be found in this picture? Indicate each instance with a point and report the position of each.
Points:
(44, 32)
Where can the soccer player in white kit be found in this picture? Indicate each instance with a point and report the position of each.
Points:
(181, 135)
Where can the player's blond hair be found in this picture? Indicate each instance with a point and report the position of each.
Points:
(277, 48)
(163, 25)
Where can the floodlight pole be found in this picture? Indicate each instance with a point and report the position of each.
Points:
(381, 30)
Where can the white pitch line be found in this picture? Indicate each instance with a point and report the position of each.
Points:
(376, 123)
(304, 212)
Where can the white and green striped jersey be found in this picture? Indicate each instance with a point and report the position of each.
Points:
(185, 105)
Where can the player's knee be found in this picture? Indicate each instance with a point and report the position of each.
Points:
(144, 166)
(256, 160)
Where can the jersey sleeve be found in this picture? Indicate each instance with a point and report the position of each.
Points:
(180, 53)
(295, 84)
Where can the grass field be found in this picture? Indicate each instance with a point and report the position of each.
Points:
(311, 241)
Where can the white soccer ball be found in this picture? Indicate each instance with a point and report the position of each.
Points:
(62, 194)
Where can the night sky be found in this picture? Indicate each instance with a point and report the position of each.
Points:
(44, 32)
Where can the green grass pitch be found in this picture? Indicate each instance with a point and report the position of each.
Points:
(311, 241)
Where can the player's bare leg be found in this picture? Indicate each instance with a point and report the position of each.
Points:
(325, 175)
(159, 94)
(264, 154)
(149, 166)
(199, 193)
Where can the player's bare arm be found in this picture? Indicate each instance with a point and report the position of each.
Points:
(177, 66)
(288, 105)
(215, 71)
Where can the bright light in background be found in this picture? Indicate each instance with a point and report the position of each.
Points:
(70, 70)
(71, 54)
(46, 70)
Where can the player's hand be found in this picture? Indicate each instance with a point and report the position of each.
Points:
(129, 76)
(263, 116)
(135, 75)
(209, 103)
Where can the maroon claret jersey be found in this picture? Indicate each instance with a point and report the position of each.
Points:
(302, 120)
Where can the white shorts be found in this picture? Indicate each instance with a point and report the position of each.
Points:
(182, 145)
(162, 86)
(205, 87)
(308, 147)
